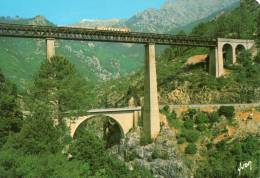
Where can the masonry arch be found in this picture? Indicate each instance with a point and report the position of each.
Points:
(239, 50)
(227, 54)
(77, 123)
(105, 127)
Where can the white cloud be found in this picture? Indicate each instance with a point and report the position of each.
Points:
(258, 1)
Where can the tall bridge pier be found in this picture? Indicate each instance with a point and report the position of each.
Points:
(151, 118)
(50, 48)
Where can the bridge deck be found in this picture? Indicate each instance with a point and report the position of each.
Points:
(113, 110)
(84, 34)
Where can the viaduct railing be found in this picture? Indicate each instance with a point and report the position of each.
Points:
(84, 34)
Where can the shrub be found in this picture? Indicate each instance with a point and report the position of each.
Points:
(172, 120)
(189, 124)
(157, 153)
(227, 111)
(171, 116)
(191, 149)
(181, 140)
(257, 58)
(180, 135)
(192, 135)
(165, 109)
(213, 117)
(189, 114)
(201, 118)
(201, 127)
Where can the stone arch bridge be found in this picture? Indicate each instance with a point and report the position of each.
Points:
(126, 118)
(216, 59)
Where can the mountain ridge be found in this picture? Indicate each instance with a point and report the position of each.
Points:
(171, 15)
(97, 62)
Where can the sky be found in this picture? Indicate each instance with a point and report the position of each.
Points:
(63, 12)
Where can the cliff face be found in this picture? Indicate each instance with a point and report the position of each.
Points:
(174, 14)
(160, 157)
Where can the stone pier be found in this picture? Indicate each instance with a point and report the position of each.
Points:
(151, 119)
(50, 48)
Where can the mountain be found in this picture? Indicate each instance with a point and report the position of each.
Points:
(183, 83)
(97, 62)
(174, 14)
(38, 20)
(90, 23)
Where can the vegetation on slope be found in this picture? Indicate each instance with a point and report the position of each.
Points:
(211, 149)
(179, 83)
(39, 145)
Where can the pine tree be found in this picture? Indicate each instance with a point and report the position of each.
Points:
(258, 33)
(59, 86)
(10, 115)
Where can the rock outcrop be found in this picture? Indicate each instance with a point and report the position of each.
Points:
(160, 156)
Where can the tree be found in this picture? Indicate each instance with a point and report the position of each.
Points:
(258, 33)
(14, 163)
(39, 134)
(191, 135)
(90, 148)
(227, 111)
(191, 149)
(10, 115)
(58, 84)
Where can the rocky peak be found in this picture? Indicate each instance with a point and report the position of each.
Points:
(176, 13)
(39, 20)
(169, 4)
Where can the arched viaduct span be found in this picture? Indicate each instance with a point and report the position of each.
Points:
(216, 59)
(126, 118)
(151, 120)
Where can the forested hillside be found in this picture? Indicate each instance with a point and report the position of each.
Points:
(35, 140)
(181, 83)
(98, 62)
(38, 144)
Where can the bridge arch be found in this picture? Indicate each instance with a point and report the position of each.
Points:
(125, 119)
(239, 49)
(227, 51)
(77, 123)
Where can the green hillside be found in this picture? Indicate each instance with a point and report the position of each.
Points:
(179, 83)
(97, 62)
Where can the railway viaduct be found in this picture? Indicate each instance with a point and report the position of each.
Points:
(150, 110)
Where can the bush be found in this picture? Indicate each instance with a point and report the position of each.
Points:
(191, 149)
(189, 114)
(165, 109)
(192, 136)
(172, 119)
(201, 118)
(201, 127)
(189, 124)
(160, 154)
(181, 140)
(257, 58)
(213, 117)
(171, 116)
(227, 111)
